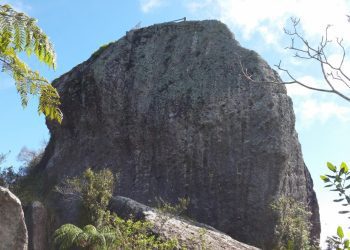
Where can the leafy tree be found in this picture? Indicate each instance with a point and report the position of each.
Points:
(28, 186)
(97, 190)
(20, 33)
(338, 181)
(293, 226)
(8, 177)
(26, 182)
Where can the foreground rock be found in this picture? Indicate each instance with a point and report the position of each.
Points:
(13, 231)
(189, 234)
(167, 107)
(36, 218)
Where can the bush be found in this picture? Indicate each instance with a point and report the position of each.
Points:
(106, 230)
(293, 226)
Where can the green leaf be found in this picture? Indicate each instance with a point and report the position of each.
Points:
(340, 232)
(19, 33)
(341, 172)
(344, 166)
(338, 200)
(346, 243)
(335, 239)
(344, 212)
(347, 199)
(324, 178)
(337, 190)
(331, 167)
(331, 176)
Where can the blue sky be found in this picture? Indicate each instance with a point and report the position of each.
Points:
(78, 28)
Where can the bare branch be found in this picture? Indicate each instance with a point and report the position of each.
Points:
(248, 76)
(306, 51)
(294, 81)
(339, 78)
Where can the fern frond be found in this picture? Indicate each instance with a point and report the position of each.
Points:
(65, 236)
(25, 35)
(49, 102)
(69, 235)
(19, 33)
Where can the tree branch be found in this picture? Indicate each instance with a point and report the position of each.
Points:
(329, 71)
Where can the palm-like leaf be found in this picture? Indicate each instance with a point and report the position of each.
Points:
(68, 236)
(19, 33)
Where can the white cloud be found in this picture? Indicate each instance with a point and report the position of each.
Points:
(270, 16)
(296, 90)
(313, 111)
(149, 5)
(195, 6)
(270, 37)
(207, 9)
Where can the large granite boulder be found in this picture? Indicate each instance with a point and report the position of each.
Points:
(36, 218)
(189, 234)
(168, 108)
(13, 231)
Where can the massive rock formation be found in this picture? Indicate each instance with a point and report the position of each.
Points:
(13, 231)
(167, 107)
(189, 234)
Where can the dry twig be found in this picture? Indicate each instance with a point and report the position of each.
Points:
(331, 73)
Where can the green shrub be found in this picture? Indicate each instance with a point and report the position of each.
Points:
(176, 210)
(97, 189)
(293, 227)
(105, 230)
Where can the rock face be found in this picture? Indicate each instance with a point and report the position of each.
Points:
(189, 234)
(168, 108)
(36, 218)
(13, 231)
